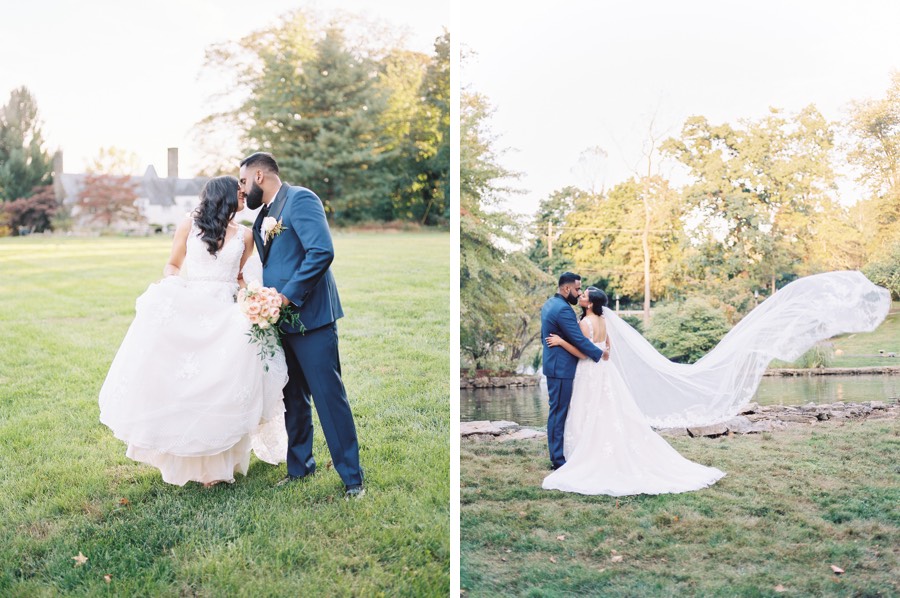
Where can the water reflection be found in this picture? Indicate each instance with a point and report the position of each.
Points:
(528, 405)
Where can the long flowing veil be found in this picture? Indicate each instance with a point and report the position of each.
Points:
(783, 326)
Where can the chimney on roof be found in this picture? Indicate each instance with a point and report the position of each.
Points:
(173, 163)
(58, 189)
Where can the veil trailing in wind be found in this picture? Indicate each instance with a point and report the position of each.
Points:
(784, 326)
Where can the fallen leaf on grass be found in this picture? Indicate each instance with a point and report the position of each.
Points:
(80, 559)
(107, 578)
(522, 513)
(837, 570)
(503, 558)
(508, 550)
(561, 537)
(616, 558)
(552, 559)
(124, 502)
(780, 588)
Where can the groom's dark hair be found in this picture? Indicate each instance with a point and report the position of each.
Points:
(568, 278)
(264, 159)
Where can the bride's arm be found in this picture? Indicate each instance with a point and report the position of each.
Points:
(248, 251)
(179, 248)
(558, 341)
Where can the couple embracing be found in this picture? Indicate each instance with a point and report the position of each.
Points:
(608, 385)
(187, 391)
(599, 441)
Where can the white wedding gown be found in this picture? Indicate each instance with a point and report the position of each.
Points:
(187, 391)
(609, 445)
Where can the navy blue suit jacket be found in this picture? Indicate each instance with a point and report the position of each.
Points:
(558, 318)
(297, 261)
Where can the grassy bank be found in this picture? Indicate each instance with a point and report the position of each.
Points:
(793, 503)
(66, 487)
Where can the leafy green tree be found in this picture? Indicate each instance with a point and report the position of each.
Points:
(604, 235)
(347, 112)
(423, 136)
(500, 294)
(874, 126)
(759, 192)
(24, 163)
(546, 250)
(886, 270)
(686, 331)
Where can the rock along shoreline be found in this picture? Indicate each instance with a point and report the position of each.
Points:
(753, 419)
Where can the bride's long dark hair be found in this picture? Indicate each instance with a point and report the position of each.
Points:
(598, 301)
(218, 205)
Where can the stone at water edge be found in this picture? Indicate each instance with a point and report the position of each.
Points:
(750, 408)
(739, 425)
(479, 427)
(502, 424)
(713, 430)
(524, 434)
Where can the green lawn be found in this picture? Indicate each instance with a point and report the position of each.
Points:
(793, 503)
(66, 487)
(862, 349)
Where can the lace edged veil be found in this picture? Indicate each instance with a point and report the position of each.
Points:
(784, 326)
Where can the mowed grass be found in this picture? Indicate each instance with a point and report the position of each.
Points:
(67, 488)
(793, 503)
(863, 349)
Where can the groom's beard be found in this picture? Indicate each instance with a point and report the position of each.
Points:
(572, 298)
(254, 197)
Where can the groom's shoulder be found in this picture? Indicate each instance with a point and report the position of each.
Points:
(551, 303)
(299, 192)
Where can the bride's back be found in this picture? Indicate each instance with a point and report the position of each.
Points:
(597, 328)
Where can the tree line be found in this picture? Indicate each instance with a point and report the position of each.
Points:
(760, 210)
(348, 110)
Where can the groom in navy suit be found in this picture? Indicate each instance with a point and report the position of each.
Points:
(296, 260)
(558, 318)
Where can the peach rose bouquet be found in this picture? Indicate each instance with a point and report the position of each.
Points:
(262, 306)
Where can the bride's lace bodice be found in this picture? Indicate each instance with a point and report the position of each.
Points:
(215, 274)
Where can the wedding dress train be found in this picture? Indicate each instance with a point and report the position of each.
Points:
(609, 446)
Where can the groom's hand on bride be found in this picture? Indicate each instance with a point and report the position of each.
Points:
(284, 300)
(605, 355)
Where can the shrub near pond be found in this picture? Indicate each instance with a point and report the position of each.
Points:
(685, 332)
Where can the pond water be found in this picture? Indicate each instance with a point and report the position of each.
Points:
(527, 406)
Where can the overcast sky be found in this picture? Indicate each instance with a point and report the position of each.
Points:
(125, 74)
(568, 75)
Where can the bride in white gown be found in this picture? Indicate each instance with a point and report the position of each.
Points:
(609, 445)
(187, 391)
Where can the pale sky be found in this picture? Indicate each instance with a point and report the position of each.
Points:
(568, 75)
(127, 74)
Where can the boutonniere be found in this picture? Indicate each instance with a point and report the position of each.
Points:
(271, 228)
